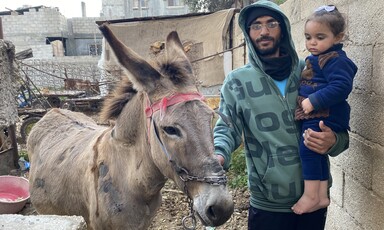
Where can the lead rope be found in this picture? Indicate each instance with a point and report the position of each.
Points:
(185, 177)
(213, 180)
(191, 215)
(190, 218)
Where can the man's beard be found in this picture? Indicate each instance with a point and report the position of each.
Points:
(268, 51)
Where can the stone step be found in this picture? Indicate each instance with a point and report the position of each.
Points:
(41, 222)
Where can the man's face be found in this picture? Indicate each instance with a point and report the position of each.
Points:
(266, 40)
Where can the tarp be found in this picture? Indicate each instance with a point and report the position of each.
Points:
(208, 34)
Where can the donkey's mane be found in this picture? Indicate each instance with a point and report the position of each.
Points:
(115, 102)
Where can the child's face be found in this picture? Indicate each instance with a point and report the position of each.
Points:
(319, 37)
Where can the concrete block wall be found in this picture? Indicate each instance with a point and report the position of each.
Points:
(83, 33)
(357, 195)
(32, 29)
(48, 21)
(86, 25)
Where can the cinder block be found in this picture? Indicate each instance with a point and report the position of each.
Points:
(366, 116)
(378, 69)
(358, 30)
(337, 189)
(363, 205)
(362, 57)
(357, 161)
(339, 219)
(378, 171)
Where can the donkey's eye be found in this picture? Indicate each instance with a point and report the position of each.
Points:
(171, 130)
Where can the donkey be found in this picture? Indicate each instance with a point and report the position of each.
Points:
(113, 176)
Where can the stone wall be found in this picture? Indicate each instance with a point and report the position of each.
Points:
(357, 196)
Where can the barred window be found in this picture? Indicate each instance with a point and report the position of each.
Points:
(95, 49)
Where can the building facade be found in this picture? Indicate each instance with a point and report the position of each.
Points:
(118, 9)
(44, 28)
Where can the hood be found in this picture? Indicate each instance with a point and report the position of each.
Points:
(286, 41)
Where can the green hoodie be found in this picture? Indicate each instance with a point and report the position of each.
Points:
(257, 112)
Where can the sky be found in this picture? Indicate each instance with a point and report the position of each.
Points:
(69, 8)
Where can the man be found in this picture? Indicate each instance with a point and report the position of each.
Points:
(258, 100)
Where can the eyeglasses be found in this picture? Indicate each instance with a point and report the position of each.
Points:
(328, 8)
(269, 25)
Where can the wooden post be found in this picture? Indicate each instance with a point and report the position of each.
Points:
(12, 135)
(1, 28)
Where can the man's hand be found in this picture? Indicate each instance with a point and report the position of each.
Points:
(319, 142)
(220, 158)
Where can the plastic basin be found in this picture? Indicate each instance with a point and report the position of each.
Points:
(14, 193)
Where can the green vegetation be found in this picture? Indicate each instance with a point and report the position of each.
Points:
(279, 2)
(237, 173)
(24, 154)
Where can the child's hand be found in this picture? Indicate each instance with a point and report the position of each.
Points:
(307, 106)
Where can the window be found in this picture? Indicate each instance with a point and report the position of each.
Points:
(140, 4)
(95, 49)
(175, 3)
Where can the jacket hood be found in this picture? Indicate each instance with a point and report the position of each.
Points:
(286, 41)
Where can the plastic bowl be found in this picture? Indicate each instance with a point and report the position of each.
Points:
(14, 193)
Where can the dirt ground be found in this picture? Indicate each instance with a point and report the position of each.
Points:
(175, 207)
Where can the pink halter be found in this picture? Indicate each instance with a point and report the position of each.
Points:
(171, 100)
(168, 101)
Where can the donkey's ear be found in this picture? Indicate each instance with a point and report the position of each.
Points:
(174, 47)
(143, 75)
(176, 56)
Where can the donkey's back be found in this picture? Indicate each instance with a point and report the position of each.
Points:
(59, 168)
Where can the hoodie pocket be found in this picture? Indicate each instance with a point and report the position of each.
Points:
(282, 180)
